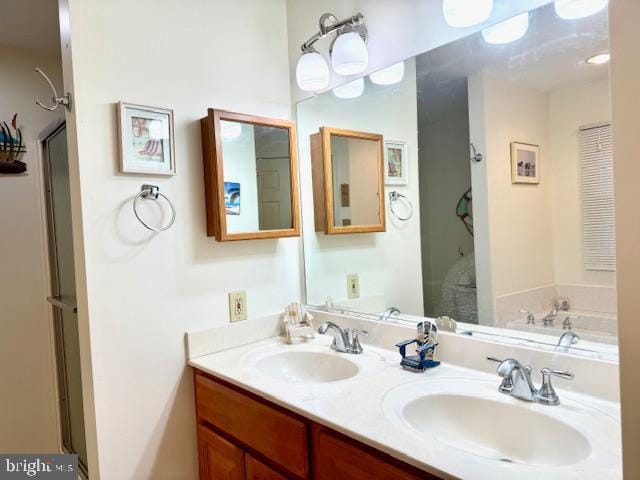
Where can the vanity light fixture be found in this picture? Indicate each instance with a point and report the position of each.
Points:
(352, 89)
(388, 76)
(599, 58)
(507, 31)
(466, 13)
(349, 54)
(574, 9)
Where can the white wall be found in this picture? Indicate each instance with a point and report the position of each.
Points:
(569, 109)
(144, 291)
(397, 30)
(28, 405)
(517, 243)
(392, 112)
(625, 105)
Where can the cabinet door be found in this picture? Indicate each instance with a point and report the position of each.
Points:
(219, 458)
(335, 457)
(257, 470)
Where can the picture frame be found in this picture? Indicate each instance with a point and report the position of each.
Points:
(396, 158)
(232, 198)
(146, 139)
(525, 163)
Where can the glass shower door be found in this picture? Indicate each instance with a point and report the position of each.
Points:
(63, 294)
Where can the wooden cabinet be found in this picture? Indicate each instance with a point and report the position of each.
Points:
(242, 436)
(219, 458)
(256, 470)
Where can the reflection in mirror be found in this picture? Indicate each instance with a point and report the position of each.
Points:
(250, 176)
(256, 177)
(518, 245)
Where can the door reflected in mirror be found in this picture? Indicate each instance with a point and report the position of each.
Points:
(251, 172)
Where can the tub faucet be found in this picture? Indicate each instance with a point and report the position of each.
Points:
(567, 339)
(344, 340)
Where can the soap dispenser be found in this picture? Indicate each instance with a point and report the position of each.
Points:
(426, 343)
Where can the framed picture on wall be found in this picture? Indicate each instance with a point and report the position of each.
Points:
(232, 198)
(146, 140)
(525, 163)
(396, 159)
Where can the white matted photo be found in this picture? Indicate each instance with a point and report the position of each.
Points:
(146, 139)
(396, 158)
(525, 163)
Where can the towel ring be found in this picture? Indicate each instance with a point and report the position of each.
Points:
(152, 192)
(394, 197)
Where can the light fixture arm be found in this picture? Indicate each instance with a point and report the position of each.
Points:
(329, 24)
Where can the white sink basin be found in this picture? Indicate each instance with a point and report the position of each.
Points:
(470, 415)
(305, 366)
(508, 432)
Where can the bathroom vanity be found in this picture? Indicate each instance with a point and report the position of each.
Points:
(267, 409)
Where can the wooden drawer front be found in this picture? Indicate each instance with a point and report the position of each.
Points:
(276, 435)
(338, 458)
(257, 470)
(218, 458)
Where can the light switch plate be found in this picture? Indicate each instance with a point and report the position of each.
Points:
(353, 286)
(237, 306)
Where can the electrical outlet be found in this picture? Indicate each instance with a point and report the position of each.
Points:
(353, 286)
(237, 306)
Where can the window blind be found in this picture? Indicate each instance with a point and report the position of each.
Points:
(596, 153)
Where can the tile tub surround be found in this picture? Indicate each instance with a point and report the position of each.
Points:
(463, 357)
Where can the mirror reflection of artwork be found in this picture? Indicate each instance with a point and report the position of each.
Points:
(232, 198)
(146, 140)
(525, 163)
(396, 163)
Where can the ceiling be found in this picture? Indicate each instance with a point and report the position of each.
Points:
(551, 56)
(30, 24)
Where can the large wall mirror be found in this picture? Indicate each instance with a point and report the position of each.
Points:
(498, 166)
(251, 177)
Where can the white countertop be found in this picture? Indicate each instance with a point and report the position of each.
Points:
(356, 407)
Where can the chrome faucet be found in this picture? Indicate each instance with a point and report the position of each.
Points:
(531, 320)
(388, 312)
(517, 382)
(561, 305)
(344, 340)
(567, 339)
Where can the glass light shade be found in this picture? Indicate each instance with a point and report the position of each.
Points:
(574, 9)
(312, 72)
(230, 130)
(388, 76)
(465, 13)
(349, 55)
(350, 90)
(599, 59)
(508, 31)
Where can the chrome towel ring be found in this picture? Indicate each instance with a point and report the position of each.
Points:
(152, 192)
(395, 196)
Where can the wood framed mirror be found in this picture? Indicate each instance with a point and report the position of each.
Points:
(348, 181)
(250, 176)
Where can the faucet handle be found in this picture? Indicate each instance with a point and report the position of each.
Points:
(547, 394)
(531, 319)
(355, 341)
(494, 359)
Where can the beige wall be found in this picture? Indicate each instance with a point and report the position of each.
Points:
(515, 245)
(185, 56)
(625, 79)
(570, 109)
(28, 405)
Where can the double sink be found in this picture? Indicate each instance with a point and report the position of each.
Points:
(449, 406)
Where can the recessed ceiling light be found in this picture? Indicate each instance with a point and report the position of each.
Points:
(599, 59)
(465, 13)
(389, 76)
(508, 31)
(350, 90)
(574, 9)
